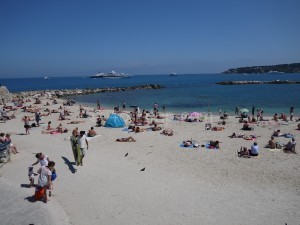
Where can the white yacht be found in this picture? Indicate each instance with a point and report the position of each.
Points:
(111, 74)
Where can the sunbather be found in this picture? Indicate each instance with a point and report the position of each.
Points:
(271, 143)
(167, 132)
(290, 146)
(129, 139)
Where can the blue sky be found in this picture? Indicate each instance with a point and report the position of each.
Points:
(70, 37)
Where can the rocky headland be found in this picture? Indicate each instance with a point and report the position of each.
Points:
(258, 82)
(282, 68)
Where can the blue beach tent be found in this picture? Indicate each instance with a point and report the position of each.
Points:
(114, 120)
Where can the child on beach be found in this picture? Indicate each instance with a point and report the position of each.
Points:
(31, 175)
(44, 180)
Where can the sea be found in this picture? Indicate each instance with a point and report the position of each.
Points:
(182, 93)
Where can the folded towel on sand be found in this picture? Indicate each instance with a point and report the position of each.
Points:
(89, 138)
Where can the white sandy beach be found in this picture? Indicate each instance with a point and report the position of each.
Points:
(179, 185)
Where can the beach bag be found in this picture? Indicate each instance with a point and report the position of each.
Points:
(39, 193)
(53, 176)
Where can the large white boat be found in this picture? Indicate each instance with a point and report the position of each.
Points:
(111, 74)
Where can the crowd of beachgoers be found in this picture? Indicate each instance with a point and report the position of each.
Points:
(41, 114)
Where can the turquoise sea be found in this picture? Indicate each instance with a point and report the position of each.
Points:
(183, 93)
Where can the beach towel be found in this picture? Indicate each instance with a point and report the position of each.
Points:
(182, 146)
(274, 150)
(90, 138)
(75, 150)
(127, 130)
(55, 132)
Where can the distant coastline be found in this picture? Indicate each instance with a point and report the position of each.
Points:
(281, 68)
(258, 82)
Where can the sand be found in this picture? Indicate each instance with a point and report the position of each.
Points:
(178, 186)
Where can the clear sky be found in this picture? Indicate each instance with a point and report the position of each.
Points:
(71, 37)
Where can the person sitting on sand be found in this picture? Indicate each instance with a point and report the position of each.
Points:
(251, 152)
(290, 146)
(85, 115)
(99, 122)
(246, 126)
(129, 139)
(156, 128)
(91, 132)
(80, 114)
(222, 122)
(277, 133)
(62, 117)
(254, 149)
(138, 129)
(12, 146)
(214, 144)
(207, 126)
(271, 144)
(275, 117)
(244, 152)
(298, 126)
(59, 128)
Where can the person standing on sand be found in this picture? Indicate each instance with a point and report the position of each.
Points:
(291, 113)
(26, 124)
(44, 180)
(83, 143)
(37, 117)
(253, 110)
(124, 105)
(236, 110)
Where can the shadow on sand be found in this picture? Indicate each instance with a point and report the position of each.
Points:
(70, 164)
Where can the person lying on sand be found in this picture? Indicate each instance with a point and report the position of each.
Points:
(234, 135)
(187, 143)
(167, 132)
(218, 128)
(214, 144)
(129, 139)
(153, 123)
(76, 122)
(138, 129)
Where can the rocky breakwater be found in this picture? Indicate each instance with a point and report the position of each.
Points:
(4, 94)
(87, 91)
(258, 82)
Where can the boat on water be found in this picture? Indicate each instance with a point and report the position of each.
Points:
(173, 75)
(271, 71)
(111, 74)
